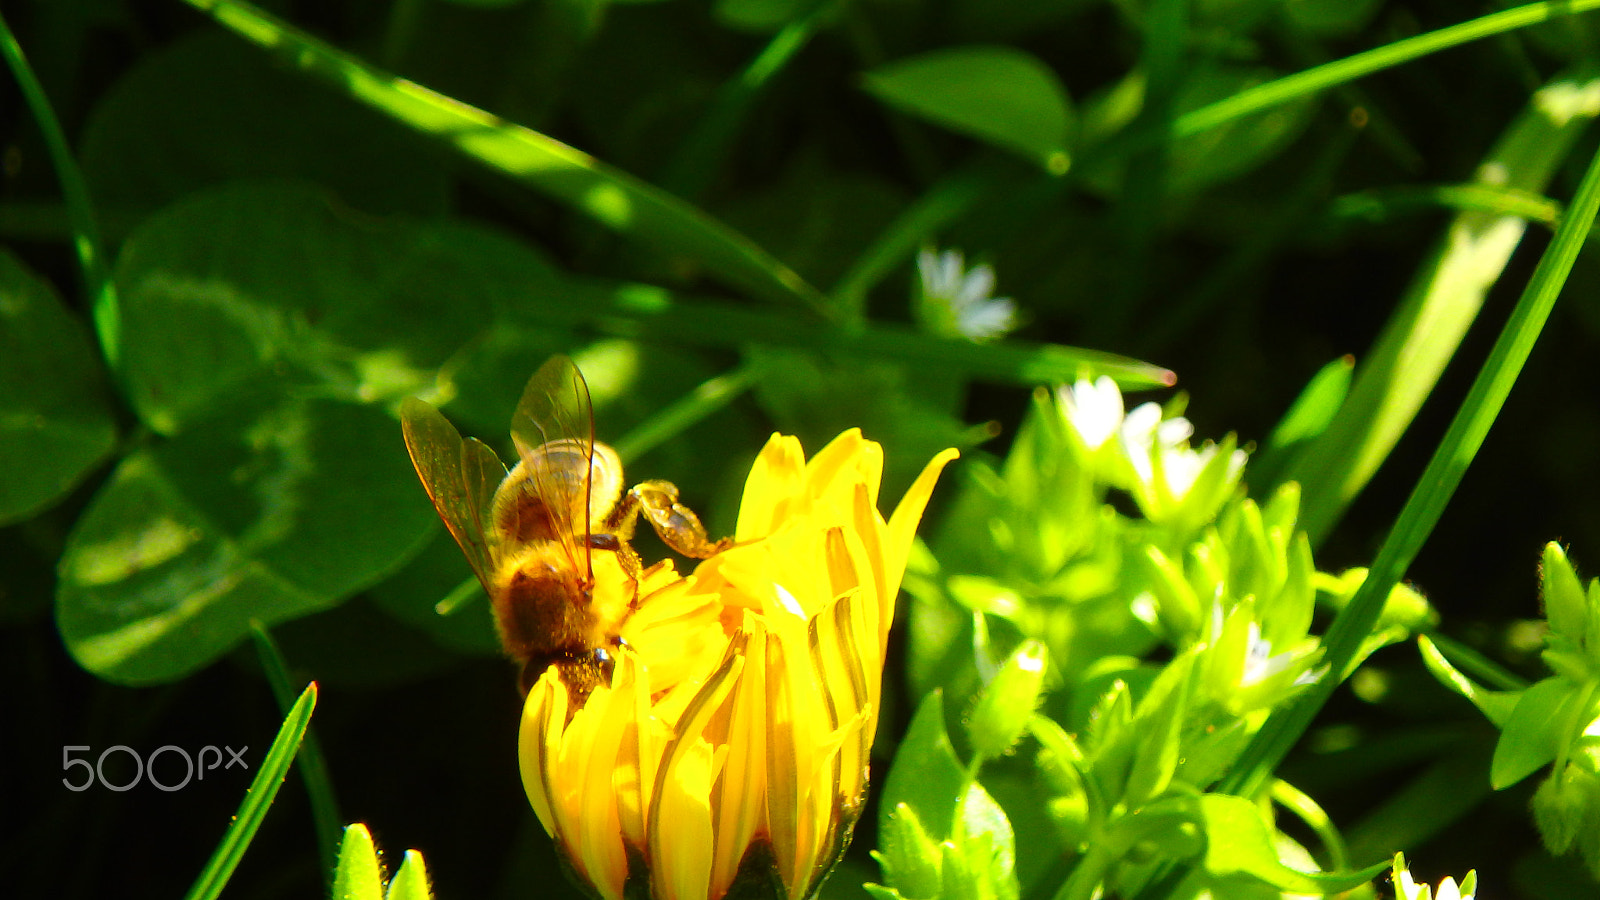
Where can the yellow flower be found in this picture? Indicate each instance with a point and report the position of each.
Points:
(731, 744)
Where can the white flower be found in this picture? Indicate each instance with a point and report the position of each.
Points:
(960, 300)
(1406, 889)
(1094, 409)
(1144, 434)
(1166, 469)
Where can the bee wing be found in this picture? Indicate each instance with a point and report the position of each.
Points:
(555, 407)
(461, 477)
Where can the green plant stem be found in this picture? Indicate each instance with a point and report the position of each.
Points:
(1433, 490)
(941, 204)
(85, 231)
(467, 590)
(1308, 811)
(313, 767)
(710, 396)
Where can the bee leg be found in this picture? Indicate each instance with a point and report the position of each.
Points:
(677, 524)
(627, 557)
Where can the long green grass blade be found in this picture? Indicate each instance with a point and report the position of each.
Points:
(313, 767)
(1300, 84)
(85, 230)
(1433, 490)
(1425, 330)
(614, 198)
(631, 310)
(701, 154)
(712, 395)
(257, 800)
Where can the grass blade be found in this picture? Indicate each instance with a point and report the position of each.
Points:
(1421, 337)
(699, 158)
(629, 310)
(614, 198)
(676, 418)
(257, 800)
(1300, 84)
(313, 767)
(80, 212)
(1433, 490)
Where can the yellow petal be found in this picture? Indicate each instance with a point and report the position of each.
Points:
(847, 460)
(776, 476)
(681, 835)
(741, 807)
(903, 524)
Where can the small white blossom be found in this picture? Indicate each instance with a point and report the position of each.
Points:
(1094, 409)
(1407, 889)
(1145, 435)
(964, 296)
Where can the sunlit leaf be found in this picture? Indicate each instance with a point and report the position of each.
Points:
(926, 776)
(1001, 95)
(265, 513)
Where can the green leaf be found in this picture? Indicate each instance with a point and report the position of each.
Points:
(358, 876)
(262, 512)
(1007, 703)
(1238, 840)
(1562, 596)
(910, 858)
(411, 881)
(199, 113)
(1450, 789)
(615, 199)
(987, 845)
(1307, 418)
(1535, 733)
(55, 421)
(926, 776)
(1496, 706)
(257, 800)
(1157, 727)
(313, 765)
(271, 286)
(1001, 95)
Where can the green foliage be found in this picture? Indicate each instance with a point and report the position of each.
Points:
(995, 94)
(1552, 722)
(263, 789)
(55, 421)
(359, 874)
(288, 218)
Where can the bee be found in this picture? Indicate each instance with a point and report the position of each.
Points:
(537, 535)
